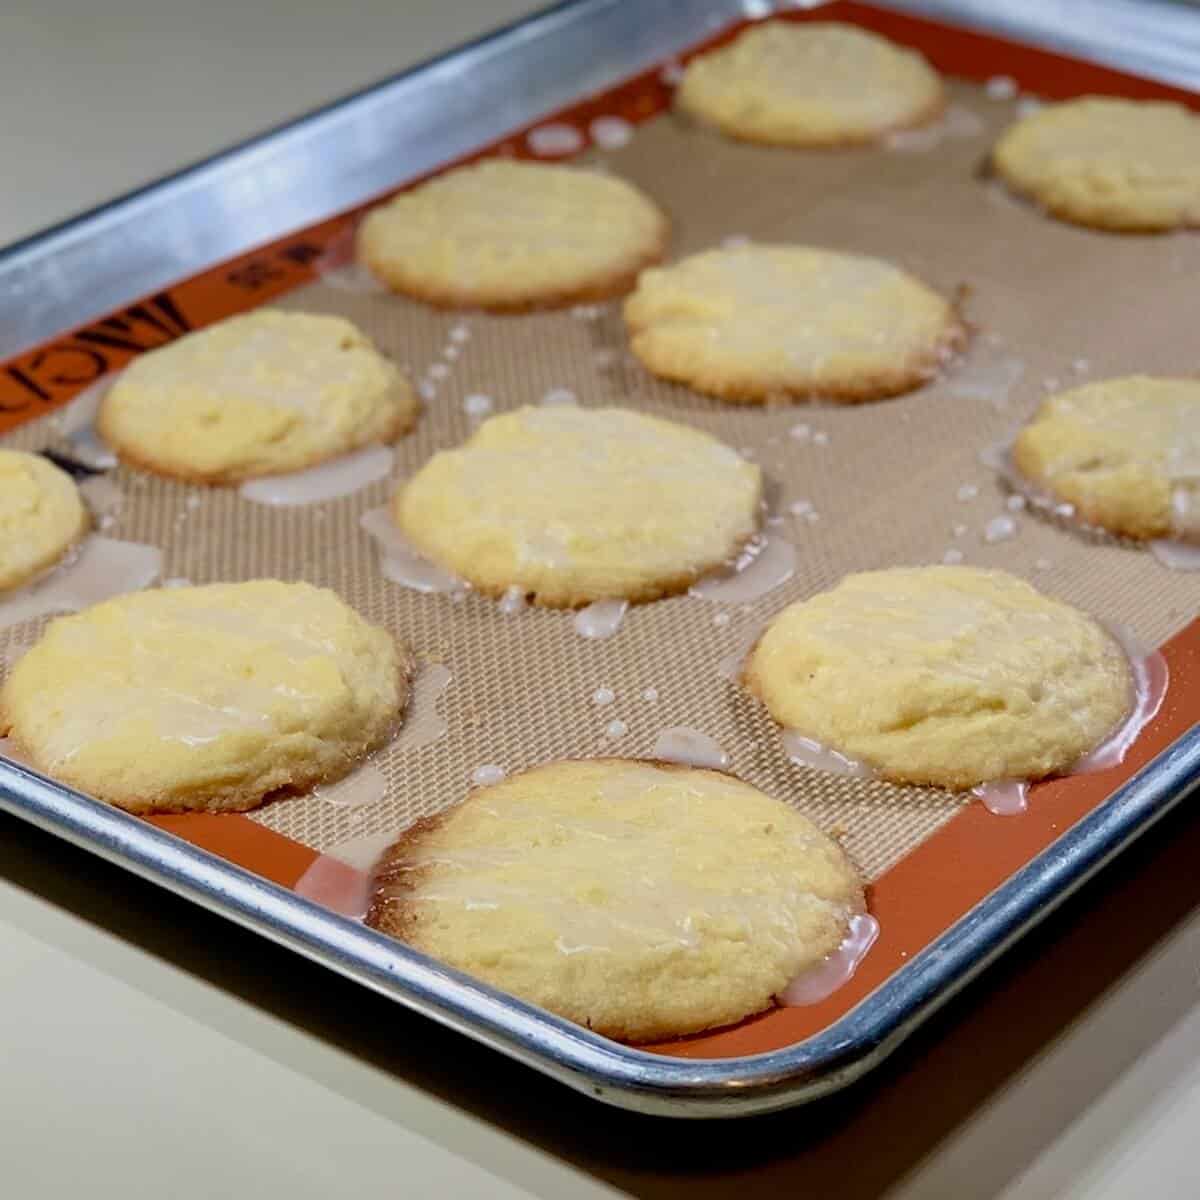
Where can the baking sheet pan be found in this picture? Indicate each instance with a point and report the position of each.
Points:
(950, 882)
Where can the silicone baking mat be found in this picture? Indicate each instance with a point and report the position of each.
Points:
(894, 482)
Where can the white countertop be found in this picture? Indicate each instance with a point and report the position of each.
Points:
(150, 1049)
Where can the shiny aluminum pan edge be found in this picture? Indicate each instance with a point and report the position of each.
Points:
(346, 153)
(261, 190)
(616, 1074)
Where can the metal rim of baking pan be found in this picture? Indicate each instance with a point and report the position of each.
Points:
(309, 170)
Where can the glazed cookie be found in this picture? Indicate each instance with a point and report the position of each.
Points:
(511, 235)
(816, 84)
(943, 675)
(261, 394)
(753, 323)
(205, 697)
(41, 516)
(639, 899)
(1130, 165)
(1124, 452)
(571, 505)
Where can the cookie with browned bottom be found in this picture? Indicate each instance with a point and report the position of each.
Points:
(639, 899)
(509, 235)
(205, 698)
(754, 323)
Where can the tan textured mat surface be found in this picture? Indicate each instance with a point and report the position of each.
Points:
(890, 482)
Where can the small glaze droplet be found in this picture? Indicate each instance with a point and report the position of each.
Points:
(1016, 503)
(616, 729)
(553, 141)
(611, 133)
(601, 619)
(650, 695)
(1000, 529)
(968, 491)
(513, 601)
(487, 775)
(680, 744)
(837, 968)
(558, 397)
(1001, 87)
(800, 432)
(603, 695)
(477, 405)
(952, 557)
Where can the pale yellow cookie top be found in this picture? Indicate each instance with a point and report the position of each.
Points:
(573, 505)
(260, 394)
(642, 900)
(813, 84)
(943, 675)
(751, 322)
(1111, 163)
(41, 516)
(205, 697)
(503, 234)
(1125, 452)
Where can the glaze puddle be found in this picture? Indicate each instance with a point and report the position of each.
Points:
(819, 982)
(600, 619)
(338, 267)
(1003, 797)
(1010, 797)
(77, 424)
(340, 476)
(987, 376)
(100, 569)
(361, 787)
(731, 665)
(1150, 681)
(808, 752)
(956, 122)
(1179, 553)
(680, 744)
(400, 562)
(764, 564)
(343, 877)
(104, 498)
(423, 724)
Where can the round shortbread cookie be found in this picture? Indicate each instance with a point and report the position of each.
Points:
(752, 323)
(640, 899)
(206, 697)
(1126, 165)
(951, 676)
(1124, 452)
(41, 516)
(511, 235)
(261, 394)
(572, 505)
(816, 84)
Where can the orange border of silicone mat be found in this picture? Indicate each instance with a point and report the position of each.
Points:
(934, 885)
